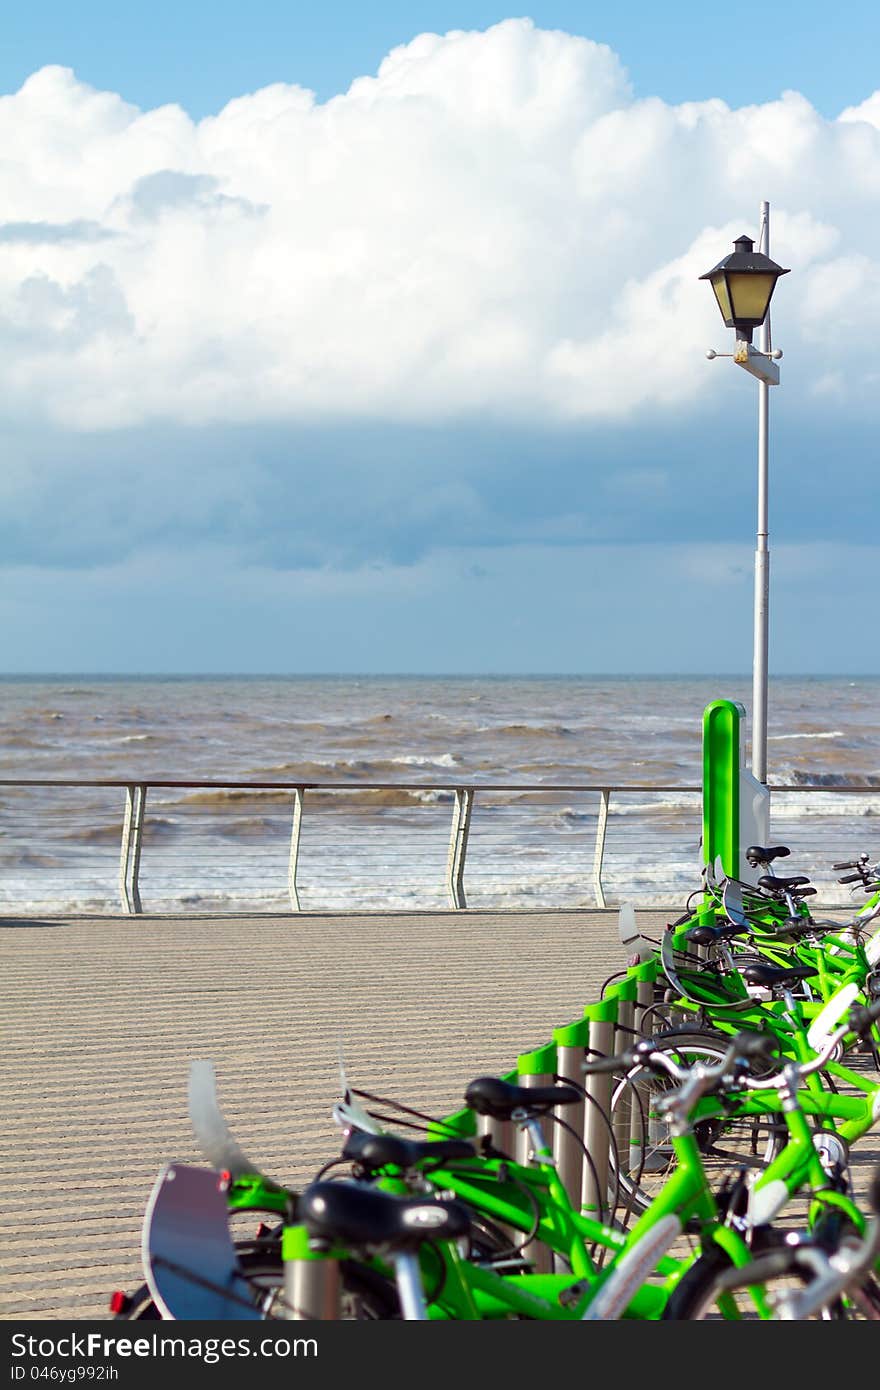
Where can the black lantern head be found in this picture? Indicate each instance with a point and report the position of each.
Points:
(744, 283)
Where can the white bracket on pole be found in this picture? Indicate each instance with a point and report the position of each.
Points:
(758, 363)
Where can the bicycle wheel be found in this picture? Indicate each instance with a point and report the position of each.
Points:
(642, 1140)
(710, 1291)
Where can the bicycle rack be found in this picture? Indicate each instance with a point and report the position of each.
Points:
(582, 1144)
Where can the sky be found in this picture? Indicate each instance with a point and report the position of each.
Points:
(375, 340)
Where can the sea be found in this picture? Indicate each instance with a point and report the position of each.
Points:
(380, 758)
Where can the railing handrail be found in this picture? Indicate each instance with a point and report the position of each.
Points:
(447, 784)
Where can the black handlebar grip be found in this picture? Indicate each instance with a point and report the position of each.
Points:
(861, 1018)
(597, 1065)
(849, 878)
(847, 864)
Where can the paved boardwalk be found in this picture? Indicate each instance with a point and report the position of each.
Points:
(102, 1017)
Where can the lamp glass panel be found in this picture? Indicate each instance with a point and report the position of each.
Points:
(719, 285)
(750, 294)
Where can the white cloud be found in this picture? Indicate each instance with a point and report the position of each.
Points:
(491, 225)
(868, 111)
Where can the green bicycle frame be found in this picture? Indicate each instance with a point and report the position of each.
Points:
(687, 1197)
(512, 1193)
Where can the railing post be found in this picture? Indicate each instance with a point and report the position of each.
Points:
(604, 798)
(461, 824)
(130, 850)
(293, 859)
(125, 850)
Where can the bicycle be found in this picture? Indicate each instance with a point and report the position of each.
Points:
(194, 1273)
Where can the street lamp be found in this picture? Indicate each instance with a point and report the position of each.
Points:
(743, 284)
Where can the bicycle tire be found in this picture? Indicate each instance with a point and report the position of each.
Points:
(702, 1295)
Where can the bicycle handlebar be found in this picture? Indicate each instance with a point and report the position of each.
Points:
(866, 873)
(622, 1062)
(859, 1021)
(851, 863)
(694, 1082)
(699, 1080)
(833, 1273)
(838, 1271)
(745, 1047)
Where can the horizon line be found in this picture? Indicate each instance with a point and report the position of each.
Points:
(429, 675)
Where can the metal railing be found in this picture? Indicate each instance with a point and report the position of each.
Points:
(547, 844)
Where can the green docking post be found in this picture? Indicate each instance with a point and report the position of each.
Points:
(536, 1069)
(601, 1020)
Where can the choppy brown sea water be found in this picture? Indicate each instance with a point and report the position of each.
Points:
(217, 846)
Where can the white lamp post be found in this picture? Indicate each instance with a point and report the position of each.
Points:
(743, 284)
